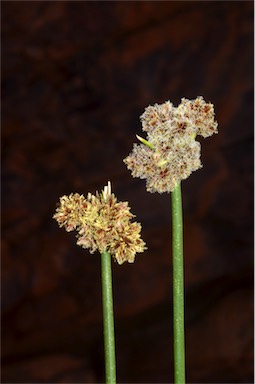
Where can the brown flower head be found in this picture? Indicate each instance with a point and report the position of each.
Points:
(170, 152)
(102, 224)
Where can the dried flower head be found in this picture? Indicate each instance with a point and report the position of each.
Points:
(170, 152)
(102, 224)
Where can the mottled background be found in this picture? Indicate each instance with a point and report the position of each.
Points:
(76, 76)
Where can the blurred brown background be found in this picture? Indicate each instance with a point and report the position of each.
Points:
(76, 76)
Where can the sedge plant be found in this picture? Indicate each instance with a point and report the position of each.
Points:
(168, 155)
(103, 224)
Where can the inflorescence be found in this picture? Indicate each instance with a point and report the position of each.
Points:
(102, 224)
(170, 152)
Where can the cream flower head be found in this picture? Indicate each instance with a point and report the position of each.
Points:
(170, 152)
(102, 224)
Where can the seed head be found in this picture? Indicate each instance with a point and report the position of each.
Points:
(170, 152)
(102, 224)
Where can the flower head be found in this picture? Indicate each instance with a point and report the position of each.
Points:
(170, 152)
(102, 224)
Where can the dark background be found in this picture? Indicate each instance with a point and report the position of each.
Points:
(76, 76)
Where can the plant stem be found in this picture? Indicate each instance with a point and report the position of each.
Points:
(178, 288)
(109, 341)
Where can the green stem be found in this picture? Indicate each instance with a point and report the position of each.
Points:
(178, 288)
(109, 341)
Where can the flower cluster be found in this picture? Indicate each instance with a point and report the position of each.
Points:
(170, 152)
(102, 224)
